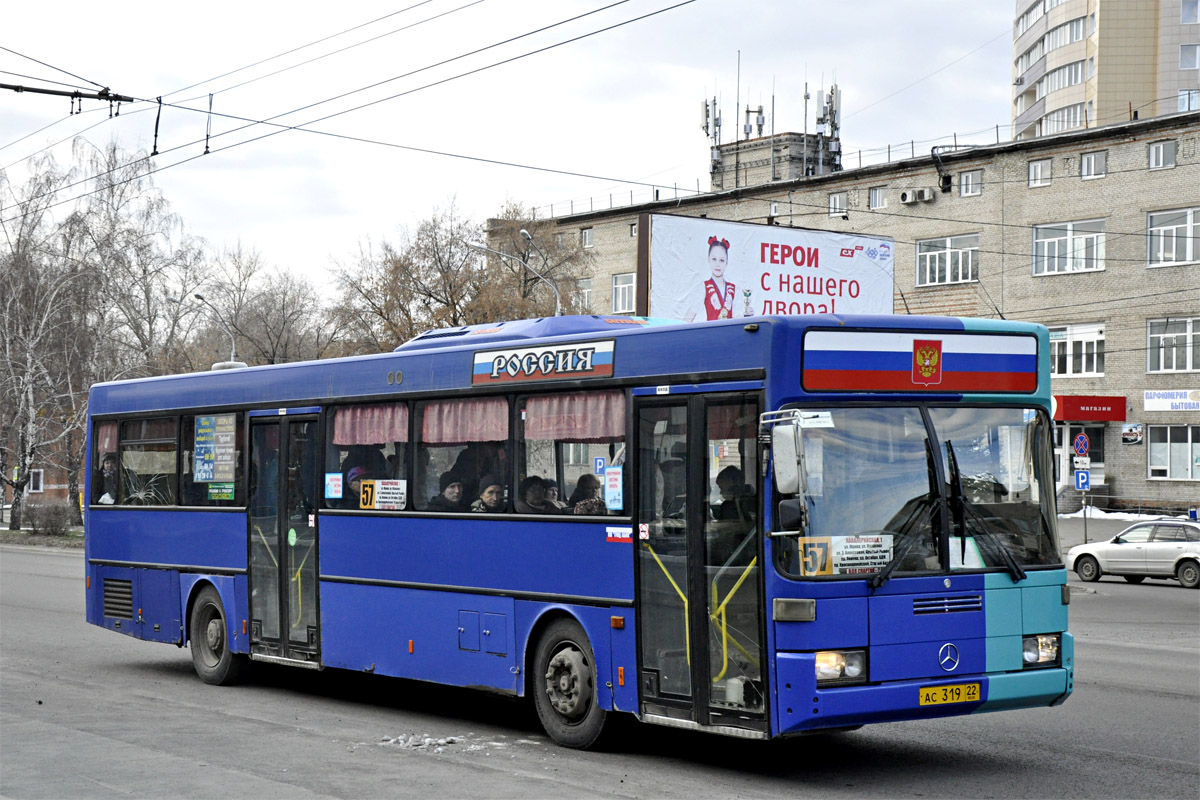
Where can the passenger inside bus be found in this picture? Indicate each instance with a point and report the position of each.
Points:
(586, 488)
(552, 494)
(491, 496)
(531, 497)
(451, 496)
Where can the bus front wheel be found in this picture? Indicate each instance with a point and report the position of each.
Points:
(209, 638)
(564, 690)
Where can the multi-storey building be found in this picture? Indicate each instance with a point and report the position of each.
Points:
(1082, 63)
(1094, 233)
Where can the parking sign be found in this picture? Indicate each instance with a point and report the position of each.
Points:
(1083, 480)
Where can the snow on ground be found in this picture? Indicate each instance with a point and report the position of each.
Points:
(1096, 513)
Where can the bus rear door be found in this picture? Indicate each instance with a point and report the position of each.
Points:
(282, 529)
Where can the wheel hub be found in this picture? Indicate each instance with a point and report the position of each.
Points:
(214, 635)
(568, 683)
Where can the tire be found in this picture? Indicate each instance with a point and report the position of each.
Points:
(1188, 573)
(208, 635)
(1088, 569)
(1135, 578)
(564, 686)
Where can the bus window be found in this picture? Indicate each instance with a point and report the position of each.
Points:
(368, 442)
(104, 458)
(576, 439)
(146, 462)
(870, 494)
(459, 441)
(732, 478)
(212, 460)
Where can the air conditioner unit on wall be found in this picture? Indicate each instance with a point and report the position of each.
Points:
(908, 196)
(924, 194)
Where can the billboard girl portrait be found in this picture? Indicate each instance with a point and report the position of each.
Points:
(719, 293)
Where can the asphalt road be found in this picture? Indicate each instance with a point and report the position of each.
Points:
(88, 713)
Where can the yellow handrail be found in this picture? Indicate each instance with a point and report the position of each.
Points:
(721, 618)
(687, 634)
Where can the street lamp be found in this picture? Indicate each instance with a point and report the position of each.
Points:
(525, 263)
(232, 363)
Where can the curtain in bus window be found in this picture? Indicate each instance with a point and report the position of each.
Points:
(459, 421)
(104, 473)
(580, 417)
(387, 422)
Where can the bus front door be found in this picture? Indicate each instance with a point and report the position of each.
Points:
(284, 462)
(699, 561)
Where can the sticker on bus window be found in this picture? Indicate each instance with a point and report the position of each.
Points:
(816, 419)
(390, 495)
(613, 488)
(366, 495)
(844, 555)
(220, 491)
(333, 486)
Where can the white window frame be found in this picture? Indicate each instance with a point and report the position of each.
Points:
(1180, 346)
(877, 197)
(1161, 155)
(1189, 100)
(633, 230)
(1158, 457)
(970, 183)
(1074, 251)
(837, 204)
(585, 237)
(1077, 351)
(947, 259)
(1041, 172)
(624, 297)
(1189, 12)
(37, 482)
(1093, 165)
(1181, 242)
(1189, 56)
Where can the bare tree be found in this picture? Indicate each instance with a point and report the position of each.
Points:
(42, 399)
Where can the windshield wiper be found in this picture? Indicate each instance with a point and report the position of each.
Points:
(905, 534)
(982, 528)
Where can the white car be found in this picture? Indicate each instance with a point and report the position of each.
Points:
(1154, 549)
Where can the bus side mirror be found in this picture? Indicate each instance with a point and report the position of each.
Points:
(785, 451)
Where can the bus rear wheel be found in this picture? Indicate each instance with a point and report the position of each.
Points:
(208, 635)
(564, 686)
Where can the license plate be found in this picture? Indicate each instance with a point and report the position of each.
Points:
(956, 693)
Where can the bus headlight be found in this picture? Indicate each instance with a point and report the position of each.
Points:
(836, 667)
(1040, 650)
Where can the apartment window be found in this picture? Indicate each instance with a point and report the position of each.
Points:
(585, 237)
(36, 484)
(878, 197)
(1189, 56)
(1173, 345)
(1189, 15)
(622, 298)
(1063, 119)
(837, 204)
(954, 259)
(970, 183)
(1189, 99)
(583, 295)
(1174, 452)
(1173, 237)
(1093, 165)
(1068, 247)
(1077, 350)
(1162, 154)
(633, 230)
(1039, 172)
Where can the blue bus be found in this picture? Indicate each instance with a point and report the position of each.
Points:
(760, 527)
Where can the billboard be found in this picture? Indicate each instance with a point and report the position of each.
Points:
(703, 269)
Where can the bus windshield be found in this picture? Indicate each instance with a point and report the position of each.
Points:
(900, 490)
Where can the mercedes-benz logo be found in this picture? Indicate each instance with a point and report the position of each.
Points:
(948, 657)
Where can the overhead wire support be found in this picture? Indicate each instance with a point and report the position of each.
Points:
(103, 94)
